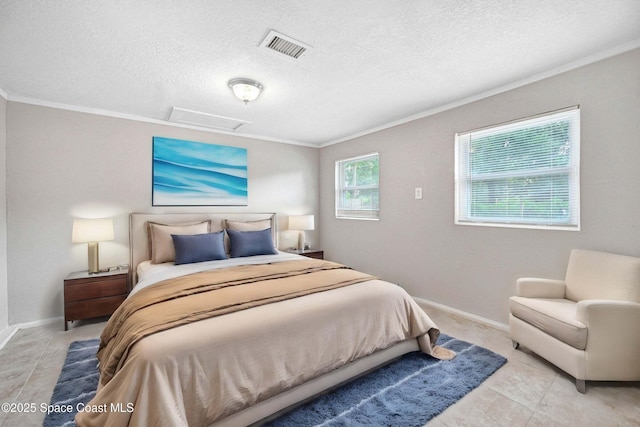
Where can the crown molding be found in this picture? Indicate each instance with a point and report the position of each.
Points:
(133, 117)
(608, 53)
(605, 54)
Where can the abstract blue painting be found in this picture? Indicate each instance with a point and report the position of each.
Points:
(187, 173)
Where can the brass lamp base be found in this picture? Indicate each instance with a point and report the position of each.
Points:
(94, 266)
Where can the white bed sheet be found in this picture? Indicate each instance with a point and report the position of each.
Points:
(149, 273)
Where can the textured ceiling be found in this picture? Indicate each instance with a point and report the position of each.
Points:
(372, 62)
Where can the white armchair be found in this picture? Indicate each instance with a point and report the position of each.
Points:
(588, 324)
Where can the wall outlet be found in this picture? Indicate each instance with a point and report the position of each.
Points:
(418, 193)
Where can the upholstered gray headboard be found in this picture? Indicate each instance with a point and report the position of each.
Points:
(138, 230)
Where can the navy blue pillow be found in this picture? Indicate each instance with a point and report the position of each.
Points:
(199, 247)
(249, 243)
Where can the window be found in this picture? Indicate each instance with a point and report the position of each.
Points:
(521, 174)
(357, 187)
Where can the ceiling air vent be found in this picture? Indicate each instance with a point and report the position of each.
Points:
(285, 45)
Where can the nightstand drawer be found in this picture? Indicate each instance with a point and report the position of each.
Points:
(78, 290)
(314, 254)
(98, 307)
(93, 295)
(309, 253)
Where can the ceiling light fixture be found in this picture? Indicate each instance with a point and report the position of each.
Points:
(245, 89)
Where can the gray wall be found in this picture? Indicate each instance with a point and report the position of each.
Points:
(63, 164)
(4, 308)
(474, 269)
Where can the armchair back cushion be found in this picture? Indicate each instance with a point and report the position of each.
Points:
(602, 276)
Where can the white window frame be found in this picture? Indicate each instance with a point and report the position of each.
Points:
(464, 176)
(344, 212)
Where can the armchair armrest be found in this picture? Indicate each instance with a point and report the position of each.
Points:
(531, 287)
(613, 341)
(609, 316)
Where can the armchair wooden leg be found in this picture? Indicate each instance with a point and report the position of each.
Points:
(515, 344)
(581, 386)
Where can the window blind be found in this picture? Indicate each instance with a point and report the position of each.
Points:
(521, 174)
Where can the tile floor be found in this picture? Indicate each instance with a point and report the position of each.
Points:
(527, 391)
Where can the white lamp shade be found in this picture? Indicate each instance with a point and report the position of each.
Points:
(301, 222)
(92, 230)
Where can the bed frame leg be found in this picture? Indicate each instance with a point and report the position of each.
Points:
(581, 386)
(515, 344)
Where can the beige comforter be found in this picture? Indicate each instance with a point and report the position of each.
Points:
(196, 373)
(187, 299)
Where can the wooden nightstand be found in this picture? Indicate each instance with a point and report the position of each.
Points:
(93, 295)
(311, 253)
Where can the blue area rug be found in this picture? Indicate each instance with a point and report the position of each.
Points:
(77, 383)
(408, 392)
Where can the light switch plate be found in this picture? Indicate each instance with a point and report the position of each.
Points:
(418, 193)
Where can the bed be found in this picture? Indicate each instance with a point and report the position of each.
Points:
(289, 336)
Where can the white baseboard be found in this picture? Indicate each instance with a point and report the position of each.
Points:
(41, 322)
(470, 316)
(6, 334)
(10, 331)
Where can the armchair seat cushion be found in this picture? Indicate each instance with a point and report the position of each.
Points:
(556, 317)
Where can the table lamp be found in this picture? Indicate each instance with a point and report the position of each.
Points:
(92, 231)
(301, 223)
